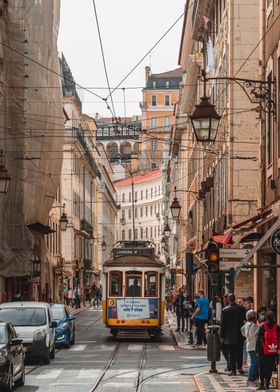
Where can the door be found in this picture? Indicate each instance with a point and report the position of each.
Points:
(15, 350)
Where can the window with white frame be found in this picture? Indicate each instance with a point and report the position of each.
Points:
(153, 122)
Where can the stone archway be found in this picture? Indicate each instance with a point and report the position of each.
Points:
(126, 150)
(112, 150)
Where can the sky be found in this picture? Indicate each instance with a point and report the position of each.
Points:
(129, 28)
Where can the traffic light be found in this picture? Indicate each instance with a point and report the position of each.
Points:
(212, 257)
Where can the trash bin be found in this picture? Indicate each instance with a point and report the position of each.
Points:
(213, 344)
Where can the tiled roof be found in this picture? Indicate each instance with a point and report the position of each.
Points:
(174, 73)
(139, 178)
(159, 81)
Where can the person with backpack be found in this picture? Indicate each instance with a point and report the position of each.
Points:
(267, 349)
(249, 331)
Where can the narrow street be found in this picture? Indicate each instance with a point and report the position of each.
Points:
(97, 362)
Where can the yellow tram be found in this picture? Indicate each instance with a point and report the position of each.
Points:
(134, 283)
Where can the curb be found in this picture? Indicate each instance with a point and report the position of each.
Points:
(179, 344)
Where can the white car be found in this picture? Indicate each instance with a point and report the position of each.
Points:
(34, 324)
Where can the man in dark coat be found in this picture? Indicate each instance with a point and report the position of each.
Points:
(230, 332)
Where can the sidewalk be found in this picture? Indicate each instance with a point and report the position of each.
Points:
(180, 337)
(209, 382)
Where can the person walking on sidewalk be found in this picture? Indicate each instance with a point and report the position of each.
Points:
(249, 331)
(267, 348)
(230, 333)
(200, 316)
(180, 311)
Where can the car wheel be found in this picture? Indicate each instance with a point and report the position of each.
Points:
(9, 385)
(46, 358)
(21, 381)
(52, 353)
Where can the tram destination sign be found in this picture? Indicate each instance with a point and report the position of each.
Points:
(275, 241)
(145, 252)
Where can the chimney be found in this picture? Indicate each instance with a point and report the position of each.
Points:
(147, 73)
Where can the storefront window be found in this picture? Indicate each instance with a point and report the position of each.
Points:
(151, 284)
(133, 284)
(116, 284)
(269, 281)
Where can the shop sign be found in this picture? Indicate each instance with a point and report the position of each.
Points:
(233, 253)
(133, 309)
(275, 241)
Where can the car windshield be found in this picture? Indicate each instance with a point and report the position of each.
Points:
(58, 312)
(3, 337)
(24, 317)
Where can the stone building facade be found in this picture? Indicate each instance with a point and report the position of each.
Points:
(219, 180)
(160, 95)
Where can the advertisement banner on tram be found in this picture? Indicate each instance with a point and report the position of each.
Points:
(133, 308)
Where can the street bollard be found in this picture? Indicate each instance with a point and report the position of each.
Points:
(213, 347)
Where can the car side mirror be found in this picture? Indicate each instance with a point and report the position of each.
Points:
(71, 318)
(15, 341)
(53, 324)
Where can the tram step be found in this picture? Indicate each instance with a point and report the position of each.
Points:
(133, 334)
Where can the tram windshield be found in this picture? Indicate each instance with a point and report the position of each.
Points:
(151, 284)
(116, 283)
(133, 284)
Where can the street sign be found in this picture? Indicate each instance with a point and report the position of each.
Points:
(275, 241)
(225, 265)
(233, 253)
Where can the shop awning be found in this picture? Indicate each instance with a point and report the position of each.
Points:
(225, 239)
(40, 228)
(260, 243)
(252, 220)
(252, 237)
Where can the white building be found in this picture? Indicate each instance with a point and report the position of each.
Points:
(148, 207)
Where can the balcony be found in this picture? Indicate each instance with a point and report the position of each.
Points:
(86, 226)
(78, 135)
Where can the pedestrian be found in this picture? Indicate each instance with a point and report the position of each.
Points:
(267, 349)
(200, 316)
(249, 303)
(261, 314)
(65, 295)
(95, 298)
(180, 312)
(174, 299)
(249, 331)
(242, 352)
(230, 334)
(70, 297)
(188, 309)
(77, 298)
(88, 294)
(74, 297)
(216, 309)
(225, 301)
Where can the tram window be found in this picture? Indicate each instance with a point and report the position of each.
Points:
(133, 284)
(151, 284)
(116, 283)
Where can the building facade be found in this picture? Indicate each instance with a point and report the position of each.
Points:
(145, 192)
(160, 95)
(219, 181)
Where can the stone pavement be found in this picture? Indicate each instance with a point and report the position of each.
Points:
(221, 382)
(209, 382)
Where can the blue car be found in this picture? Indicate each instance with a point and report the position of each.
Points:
(65, 330)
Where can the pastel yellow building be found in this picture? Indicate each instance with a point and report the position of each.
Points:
(160, 96)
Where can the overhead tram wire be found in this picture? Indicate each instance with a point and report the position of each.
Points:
(152, 48)
(104, 61)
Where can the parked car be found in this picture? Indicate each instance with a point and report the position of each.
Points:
(12, 368)
(34, 324)
(65, 330)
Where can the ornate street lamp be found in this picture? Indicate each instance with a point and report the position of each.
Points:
(205, 121)
(63, 220)
(175, 208)
(167, 231)
(4, 178)
(103, 246)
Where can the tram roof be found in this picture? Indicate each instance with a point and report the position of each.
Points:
(134, 261)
